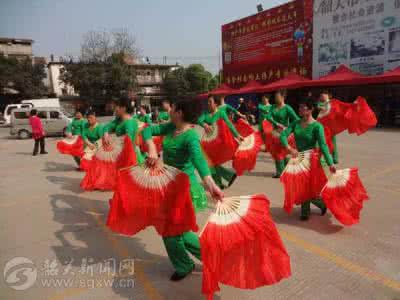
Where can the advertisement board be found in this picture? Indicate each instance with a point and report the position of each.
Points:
(268, 45)
(363, 34)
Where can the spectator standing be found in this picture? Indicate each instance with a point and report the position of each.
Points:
(38, 133)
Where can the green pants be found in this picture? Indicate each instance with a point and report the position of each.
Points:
(306, 206)
(178, 248)
(77, 159)
(219, 173)
(280, 166)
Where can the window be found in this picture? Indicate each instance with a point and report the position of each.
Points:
(10, 108)
(54, 115)
(21, 115)
(26, 106)
(42, 114)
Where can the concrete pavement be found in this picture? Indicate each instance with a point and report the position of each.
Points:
(46, 218)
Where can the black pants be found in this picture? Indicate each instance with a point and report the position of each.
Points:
(36, 147)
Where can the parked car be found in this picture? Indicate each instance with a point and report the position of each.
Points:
(54, 121)
(46, 102)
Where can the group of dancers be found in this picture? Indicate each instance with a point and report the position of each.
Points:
(137, 158)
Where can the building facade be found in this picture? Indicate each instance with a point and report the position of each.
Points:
(14, 47)
(58, 87)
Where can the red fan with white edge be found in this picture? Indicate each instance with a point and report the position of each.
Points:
(158, 197)
(334, 116)
(241, 247)
(360, 117)
(219, 145)
(328, 139)
(246, 155)
(344, 195)
(158, 141)
(87, 157)
(102, 174)
(244, 128)
(71, 146)
(278, 151)
(303, 179)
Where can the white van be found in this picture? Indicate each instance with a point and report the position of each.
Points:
(54, 122)
(46, 102)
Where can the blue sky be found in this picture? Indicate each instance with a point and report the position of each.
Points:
(174, 28)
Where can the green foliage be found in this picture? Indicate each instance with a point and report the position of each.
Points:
(100, 80)
(22, 76)
(191, 81)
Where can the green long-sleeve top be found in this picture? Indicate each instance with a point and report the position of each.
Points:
(284, 115)
(121, 127)
(307, 138)
(209, 118)
(228, 109)
(92, 134)
(76, 126)
(163, 116)
(145, 118)
(182, 151)
(263, 111)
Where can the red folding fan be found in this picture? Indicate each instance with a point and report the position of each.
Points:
(246, 155)
(102, 174)
(277, 150)
(241, 247)
(360, 117)
(87, 157)
(334, 116)
(158, 141)
(219, 145)
(303, 179)
(243, 127)
(157, 196)
(267, 131)
(344, 195)
(71, 146)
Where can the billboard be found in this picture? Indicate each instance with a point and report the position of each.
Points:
(363, 34)
(268, 45)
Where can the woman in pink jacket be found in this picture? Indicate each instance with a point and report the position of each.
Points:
(37, 133)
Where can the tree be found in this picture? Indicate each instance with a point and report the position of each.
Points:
(102, 71)
(190, 81)
(23, 76)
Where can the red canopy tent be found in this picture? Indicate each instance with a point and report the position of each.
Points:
(223, 89)
(250, 87)
(343, 75)
(291, 81)
(387, 77)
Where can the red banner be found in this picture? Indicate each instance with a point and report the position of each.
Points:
(268, 45)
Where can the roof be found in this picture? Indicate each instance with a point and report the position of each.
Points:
(249, 87)
(136, 66)
(15, 40)
(291, 81)
(343, 75)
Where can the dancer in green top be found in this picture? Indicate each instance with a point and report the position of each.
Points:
(145, 115)
(163, 115)
(92, 130)
(206, 120)
(309, 134)
(323, 104)
(228, 109)
(76, 128)
(263, 110)
(123, 124)
(182, 150)
(280, 115)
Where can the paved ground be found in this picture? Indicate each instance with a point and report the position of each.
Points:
(46, 218)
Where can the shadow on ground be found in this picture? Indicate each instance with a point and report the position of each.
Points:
(52, 166)
(84, 236)
(317, 223)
